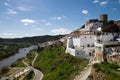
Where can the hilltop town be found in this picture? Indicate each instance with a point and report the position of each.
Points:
(97, 39)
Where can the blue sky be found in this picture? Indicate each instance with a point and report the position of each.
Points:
(23, 18)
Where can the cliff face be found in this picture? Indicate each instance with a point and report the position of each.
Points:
(95, 75)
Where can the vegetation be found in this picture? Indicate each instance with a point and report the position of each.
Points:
(57, 65)
(32, 40)
(4, 70)
(29, 76)
(110, 27)
(29, 58)
(9, 47)
(7, 51)
(109, 69)
(18, 63)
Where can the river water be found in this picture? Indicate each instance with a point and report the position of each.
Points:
(21, 53)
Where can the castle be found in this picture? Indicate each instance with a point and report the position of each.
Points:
(94, 38)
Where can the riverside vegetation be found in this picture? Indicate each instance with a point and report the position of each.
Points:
(9, 47)
(57, 65)
(5, 71)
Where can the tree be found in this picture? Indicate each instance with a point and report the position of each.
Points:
(111, 22)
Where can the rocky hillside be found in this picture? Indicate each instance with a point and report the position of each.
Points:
(105, 71)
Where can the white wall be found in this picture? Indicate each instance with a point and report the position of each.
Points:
(70, 51)
(108, 36)
(86, 40)
(83, 40)
(76, 41)
(93, 25)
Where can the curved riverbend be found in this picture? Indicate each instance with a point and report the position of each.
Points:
(21, 53)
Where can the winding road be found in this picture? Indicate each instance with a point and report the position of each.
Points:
(38, 73)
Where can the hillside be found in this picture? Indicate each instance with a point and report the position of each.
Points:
(33, 40)
(105, 71)
(57, 65)
(9, 47)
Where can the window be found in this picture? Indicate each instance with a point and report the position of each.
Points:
(88, 45)
(90, 53)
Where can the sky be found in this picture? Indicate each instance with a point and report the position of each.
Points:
(26, 18)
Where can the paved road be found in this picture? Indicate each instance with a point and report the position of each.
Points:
(36, 55)
(38, 74)
(84, 74)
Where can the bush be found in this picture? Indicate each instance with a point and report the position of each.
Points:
(30, 75)
(4, 70)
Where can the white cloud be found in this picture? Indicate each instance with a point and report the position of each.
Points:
(95, 1)
(27, 21)
(17, 34)
(23, 8)
(10, 11)
(37, 29)
(6, 4)
(57, 18)
(8, 35)
(85, 11)
(60, 31)
(48, 24)
(103, 3)
(114, 9)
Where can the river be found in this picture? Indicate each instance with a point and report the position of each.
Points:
(21, 53)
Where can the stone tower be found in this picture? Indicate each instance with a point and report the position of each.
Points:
(104, 18)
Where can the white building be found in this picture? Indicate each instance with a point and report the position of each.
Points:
(86, 41)
(102, 41)
(81, 44)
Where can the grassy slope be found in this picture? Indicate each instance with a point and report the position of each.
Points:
(57, 65)
(29, 58)
(109, 69)
(18, 63)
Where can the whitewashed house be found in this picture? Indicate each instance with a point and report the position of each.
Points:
(86, 41)
(81, 44)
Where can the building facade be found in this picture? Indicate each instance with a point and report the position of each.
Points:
(90, 41)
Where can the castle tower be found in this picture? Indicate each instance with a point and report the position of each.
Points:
(104, 18)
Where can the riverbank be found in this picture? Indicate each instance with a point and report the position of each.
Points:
(22, 53)
(22, 65)
(9, 49)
